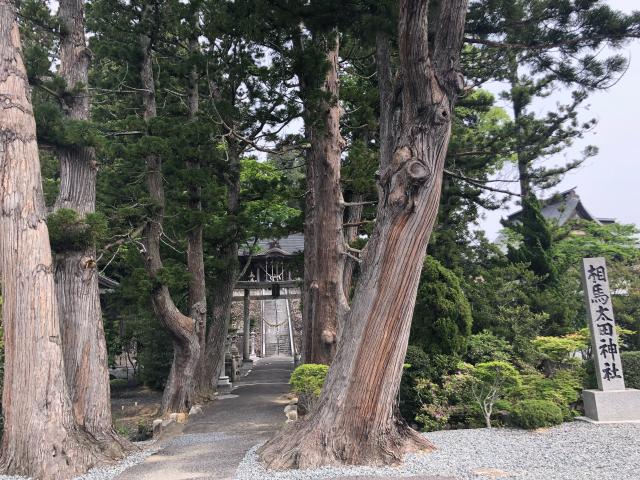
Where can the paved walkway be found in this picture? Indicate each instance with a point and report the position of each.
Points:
(213, 444)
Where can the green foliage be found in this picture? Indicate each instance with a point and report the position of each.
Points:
(562, 388)
(496, 374)
(486, 347)
(434, 411)
(536, 241)
(490, 382)
(559, 349)
(532, 414)
(631, 369)
(69, 232)
(442, 316)
(421, 367)
(54, 129)
(308, 379)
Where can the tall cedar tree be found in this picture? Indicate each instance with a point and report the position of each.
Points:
(178, 393)
(356, 420)
(246, 95)
(40, 438)
(83, 339)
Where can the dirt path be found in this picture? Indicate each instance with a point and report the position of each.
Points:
(213, 444)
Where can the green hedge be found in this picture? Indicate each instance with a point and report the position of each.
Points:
(532, 414)
(308, 379)
(631, 369)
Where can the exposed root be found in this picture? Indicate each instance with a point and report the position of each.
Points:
(305, 445)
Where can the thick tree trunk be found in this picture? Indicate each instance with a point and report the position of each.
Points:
(195, 246)
(179, 391)
(324, 300)
(387, 101)
(355, 420)
(40, 437)
(221, 294)
(223, 285)
(354, 217)
(83, 340)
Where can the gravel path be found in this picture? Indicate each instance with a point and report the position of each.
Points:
(110, 471)
(572, 451)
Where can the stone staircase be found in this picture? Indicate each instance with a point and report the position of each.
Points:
(276, 323)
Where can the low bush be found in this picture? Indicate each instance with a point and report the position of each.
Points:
(532, 414)
(306, 382)
(631, 369)
(563, 389)
(308, 379)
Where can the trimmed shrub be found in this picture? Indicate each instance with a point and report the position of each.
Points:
(308, 379)
(532, 414)
(563, 389)
(631, 369)
(306, 382)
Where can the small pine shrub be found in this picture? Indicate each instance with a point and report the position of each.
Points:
(631, 369)
(532, 414)
(308, 379)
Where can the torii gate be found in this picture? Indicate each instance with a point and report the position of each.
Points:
(275, 287)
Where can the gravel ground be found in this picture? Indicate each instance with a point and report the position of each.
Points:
(110, 471)
(572, 451)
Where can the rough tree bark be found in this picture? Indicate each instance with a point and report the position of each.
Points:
(83, 340)
(40, 437)
(178, 393)
(353, 219)
(355, 419)
(195, 246)
(324, 302)
(222, 286)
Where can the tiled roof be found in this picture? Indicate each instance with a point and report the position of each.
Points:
(288, 245)
(563, 207)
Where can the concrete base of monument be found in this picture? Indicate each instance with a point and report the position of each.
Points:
(612, 406)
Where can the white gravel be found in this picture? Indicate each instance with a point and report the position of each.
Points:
(109, 472)
(572, 451)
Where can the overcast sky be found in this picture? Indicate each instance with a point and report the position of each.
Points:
(609, 183)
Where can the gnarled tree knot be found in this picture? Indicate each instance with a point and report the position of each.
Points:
(328, 337)
(417, 171)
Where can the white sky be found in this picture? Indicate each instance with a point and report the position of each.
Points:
(609, 183)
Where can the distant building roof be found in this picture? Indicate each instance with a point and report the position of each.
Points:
(563, 207)
(289, 245)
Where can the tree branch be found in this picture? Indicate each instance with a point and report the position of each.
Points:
(479, 183)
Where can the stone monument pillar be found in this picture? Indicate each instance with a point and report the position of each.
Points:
(611, 402)
(224, 384)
